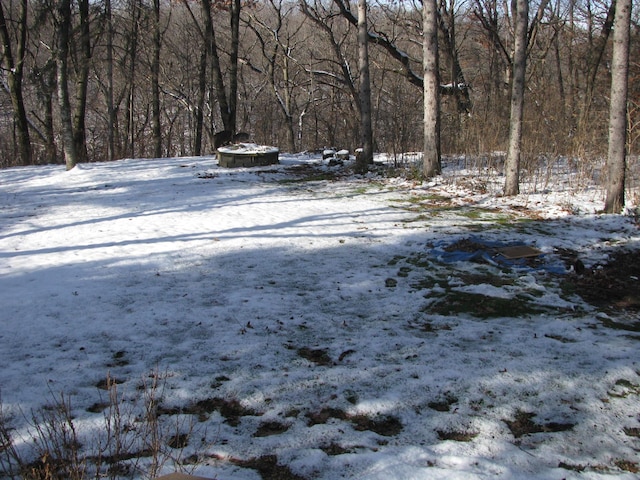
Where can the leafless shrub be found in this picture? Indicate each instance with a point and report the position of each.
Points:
(133, 438)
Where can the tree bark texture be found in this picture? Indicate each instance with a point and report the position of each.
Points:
(83, 61)
(111, 117)
(233, 64)
(514, 152)
(155, 82)
(365, 157)
(616, 159)
(62, 64)
(431, 162)
(14, 72)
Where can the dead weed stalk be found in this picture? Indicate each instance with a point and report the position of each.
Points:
(133, 438)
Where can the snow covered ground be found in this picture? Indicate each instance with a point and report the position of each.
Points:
(323, 308)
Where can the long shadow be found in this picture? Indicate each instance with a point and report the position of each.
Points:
(318, 339)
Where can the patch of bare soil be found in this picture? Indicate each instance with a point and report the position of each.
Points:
(456, 435)
(232, 410)
(614, 285)
(268, 468)
(334, 449)
(523, 424)
(465, 245)
(271, 428)
(318, 356)
(385, 425)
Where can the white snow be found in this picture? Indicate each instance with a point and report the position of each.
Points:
(248, 149)
(215, 278)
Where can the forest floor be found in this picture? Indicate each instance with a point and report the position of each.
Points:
(297, 321)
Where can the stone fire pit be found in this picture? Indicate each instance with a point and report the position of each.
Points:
(247, 155)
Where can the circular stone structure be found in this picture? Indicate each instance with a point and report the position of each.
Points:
(247, 155)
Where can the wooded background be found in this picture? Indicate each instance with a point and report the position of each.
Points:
(136, 78)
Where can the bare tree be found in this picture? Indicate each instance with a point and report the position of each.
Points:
(202, 85)
(431, 162)
(458, 85)
(14, 68)
(83, 62)
(228, 103)
(111, 116)
(332, 73)
(512, 163)
(129, 76)
(594, 55)
(366, 155)
(155, 82)
(63, 20)
(616, 160)
(275, 30)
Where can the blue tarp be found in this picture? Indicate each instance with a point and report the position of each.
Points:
(478, 250)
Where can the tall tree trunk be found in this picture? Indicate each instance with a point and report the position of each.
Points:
(62, 65)
(288, 115)
(365, 157)
(14, 72)
(512, 163)
(45, 95)
(202, 92)
(111, 117)
(616, 160)
(82, 83)
(218, 77)
(155, 82)
(233, 67)
(431, 163)
(136, 9)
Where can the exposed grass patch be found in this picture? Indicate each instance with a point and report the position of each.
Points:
(315, 176)
(628, 466)
(456, 435)
(624, 388)
(433, 199)
(482, 306)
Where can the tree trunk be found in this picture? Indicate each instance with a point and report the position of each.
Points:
(218, 78)
(82, 83)
(365, 157)
(14, 69)
(288, 115)
(155, 82)
(111, 117)
(202, 92)
(45, 95)
(132, 39)
(512, 163)
(431, 163)
(233, 67)
(616, 160)
(62, 64)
